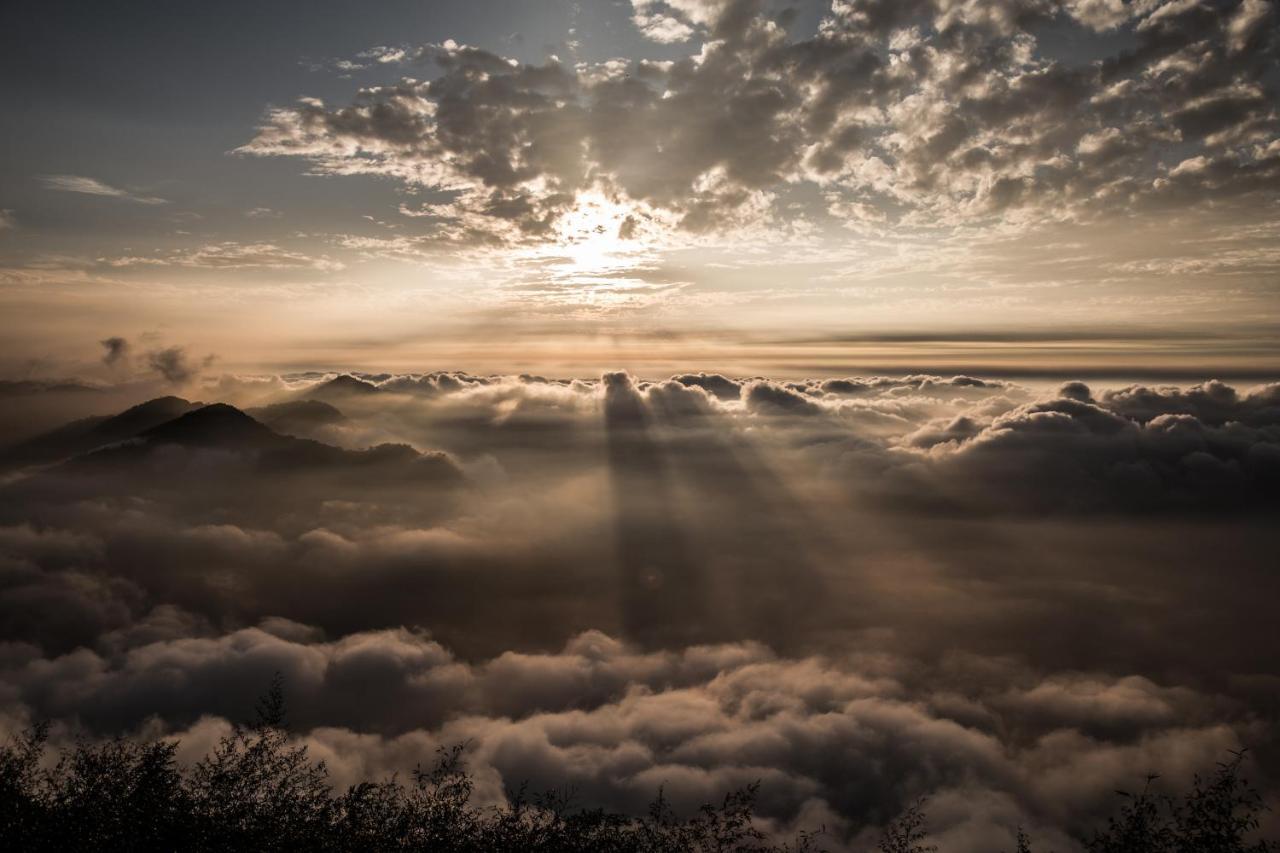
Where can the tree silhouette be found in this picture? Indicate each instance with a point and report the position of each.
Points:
(906, 833)
(1218, 815)
(256, 790)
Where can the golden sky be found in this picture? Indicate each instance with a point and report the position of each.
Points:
(1027, 184)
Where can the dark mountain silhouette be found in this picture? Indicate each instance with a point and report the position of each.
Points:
(225, 428)
(91, 433)
(298, 418)
(217, 425)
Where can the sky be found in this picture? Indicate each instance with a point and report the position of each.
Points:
(1019, 184)
(873, 399)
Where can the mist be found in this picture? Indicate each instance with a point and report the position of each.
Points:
(859, 591)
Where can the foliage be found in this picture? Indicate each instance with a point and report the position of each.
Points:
(1218, 815)
(257, 791)
(906, 833)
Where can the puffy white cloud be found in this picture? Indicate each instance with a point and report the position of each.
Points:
(1099, 14)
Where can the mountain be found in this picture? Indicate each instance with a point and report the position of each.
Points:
(299, 418)
(225, 428)
(91, 433)
(218, 425)
(341, 388)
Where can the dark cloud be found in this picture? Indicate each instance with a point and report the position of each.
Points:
(172, 363)
(826, 741)
(721, 386)
(116, 349)
(1201, 447)
(1214, 403)
(958, 429)
(768, 398)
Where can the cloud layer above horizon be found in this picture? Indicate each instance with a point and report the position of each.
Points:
(923, 114)
(716, 168)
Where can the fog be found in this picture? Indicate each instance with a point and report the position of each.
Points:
(1010, 597)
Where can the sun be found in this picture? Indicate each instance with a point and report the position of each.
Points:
(598, 234)
(600, 253)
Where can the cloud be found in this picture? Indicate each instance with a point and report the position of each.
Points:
(171, 363)
(661, 22)
(920, 114)
(619, 723)
(721, 386)
(174, 365)
(231, 255)
(116, 349)
(1099, 15)
(1201, 447)
(698, 582)
(1248, 20)
(8, 220)
(1214, 402)
(92, 186)
(663, 29)
(768, 398)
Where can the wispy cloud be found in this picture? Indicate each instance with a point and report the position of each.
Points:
(229, 255)
(7, 220)
(92, 186)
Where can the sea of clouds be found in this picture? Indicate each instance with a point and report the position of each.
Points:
(1011, 598)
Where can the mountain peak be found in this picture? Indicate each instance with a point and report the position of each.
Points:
(150, 414)
(345, 385)
(90, 433)
(216, 424)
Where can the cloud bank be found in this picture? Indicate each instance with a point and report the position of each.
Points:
(858, 591)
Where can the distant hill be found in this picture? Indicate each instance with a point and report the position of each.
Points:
(23, 387)
(298, 418)
(91, 433)
(216, 425)
(341, 388)
(226, 428)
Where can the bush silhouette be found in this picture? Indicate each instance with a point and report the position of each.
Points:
(256, 791)
(1218, 815)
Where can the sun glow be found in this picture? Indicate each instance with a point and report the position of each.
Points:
(599, 253)
(598, 233)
